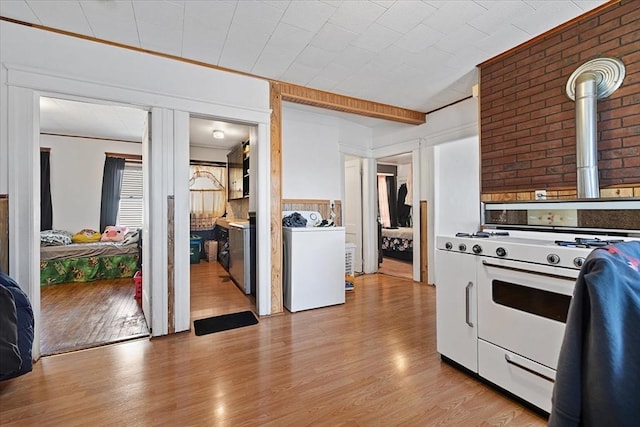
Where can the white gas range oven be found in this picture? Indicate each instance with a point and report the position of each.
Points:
(502, 301)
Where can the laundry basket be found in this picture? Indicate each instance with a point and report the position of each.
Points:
(349, 274)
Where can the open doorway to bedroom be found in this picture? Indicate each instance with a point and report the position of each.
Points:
(396, 215)
(91, 220)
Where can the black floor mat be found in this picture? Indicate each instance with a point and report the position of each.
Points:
(224, 322)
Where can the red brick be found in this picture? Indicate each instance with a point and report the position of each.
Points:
(526, 107)
(621, 152)
(615, 12)
(621, 133)
(546, 145)
(503, 160)
(546, 179)
(609, 124)
(603, 49)
(547, 161)
(531, 155)
(533, 139)
(560, 169)
(631, 162)
(564, 133)
(607, 144)
(531, 172)
(630, 38)
(564, 151)
(621, 173)
(551, 111)
(630, 141)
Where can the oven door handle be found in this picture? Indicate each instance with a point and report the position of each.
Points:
(531, 371)
(522, 270)
(467, 293)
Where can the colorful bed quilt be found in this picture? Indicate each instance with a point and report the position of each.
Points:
(87, 262)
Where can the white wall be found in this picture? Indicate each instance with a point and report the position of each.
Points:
(457, 186)
(311, 163)
(76, 166)
(208, 154)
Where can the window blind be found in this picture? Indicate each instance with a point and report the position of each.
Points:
(131, 203)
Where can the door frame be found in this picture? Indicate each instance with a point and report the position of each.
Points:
(23, 89)
(413, 147)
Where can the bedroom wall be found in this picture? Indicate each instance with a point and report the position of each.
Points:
(76, 178)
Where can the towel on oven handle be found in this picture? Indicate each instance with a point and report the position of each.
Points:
(598, 376)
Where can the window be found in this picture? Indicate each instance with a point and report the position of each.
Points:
(131, 202)
(208, 194)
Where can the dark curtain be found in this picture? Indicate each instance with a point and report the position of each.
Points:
(46, 208)
(404, 210)
(111, 186)
(393, 205)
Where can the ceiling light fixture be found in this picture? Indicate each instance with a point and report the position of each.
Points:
(218, 134)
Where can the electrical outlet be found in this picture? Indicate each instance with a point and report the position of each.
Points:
(541, 194)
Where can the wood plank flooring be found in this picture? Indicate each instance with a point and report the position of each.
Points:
(396, 267)
(371, 361)
(76, 316)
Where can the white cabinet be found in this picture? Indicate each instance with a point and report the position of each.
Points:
(456, 308)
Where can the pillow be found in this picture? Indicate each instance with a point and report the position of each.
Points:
(114, 233)
(55, 238)
(131, 238)
(86, 235)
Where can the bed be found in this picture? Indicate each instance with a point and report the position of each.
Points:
(398, 242)
(86, 262)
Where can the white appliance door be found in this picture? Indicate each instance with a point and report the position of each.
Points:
(522, 307)
(456, 324)
(315, 270)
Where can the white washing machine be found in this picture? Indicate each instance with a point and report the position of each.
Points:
(314, 264)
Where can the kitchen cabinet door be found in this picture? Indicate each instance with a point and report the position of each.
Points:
(234, 166)
(456, 308)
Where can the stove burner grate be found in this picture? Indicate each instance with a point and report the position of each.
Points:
(581, 242)
(483, 234)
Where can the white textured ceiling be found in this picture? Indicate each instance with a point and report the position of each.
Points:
(420, 55)
(415, 54)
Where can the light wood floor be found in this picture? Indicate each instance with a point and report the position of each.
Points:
(75, 316)
(371, 361)
(396, 267)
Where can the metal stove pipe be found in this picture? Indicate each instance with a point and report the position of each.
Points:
(596, 79)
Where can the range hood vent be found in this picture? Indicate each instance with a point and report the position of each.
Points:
(593, 80)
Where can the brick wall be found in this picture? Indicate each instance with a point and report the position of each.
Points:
(527, 123)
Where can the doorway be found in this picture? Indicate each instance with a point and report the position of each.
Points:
(88, 291)
(396, 215)
(217, 195)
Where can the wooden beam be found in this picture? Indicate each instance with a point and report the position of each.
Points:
(275, 101)
(424, 250)
(347, 104)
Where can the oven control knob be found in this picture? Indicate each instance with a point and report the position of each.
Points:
(462, 247)
(578, 261)
(501, 252)
(553, 259)
(477, 249)
(448, 246)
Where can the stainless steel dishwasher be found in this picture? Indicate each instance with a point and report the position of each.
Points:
(240, 256)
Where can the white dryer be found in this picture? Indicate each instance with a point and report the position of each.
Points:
(314, 264)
